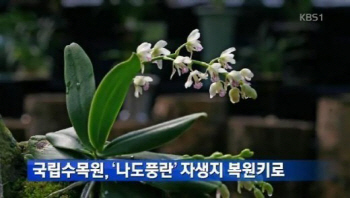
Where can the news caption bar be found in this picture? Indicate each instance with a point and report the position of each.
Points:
(176, 170)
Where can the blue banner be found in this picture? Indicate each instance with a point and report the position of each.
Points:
(177, 170)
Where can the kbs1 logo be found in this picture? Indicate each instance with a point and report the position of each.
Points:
(308, 17)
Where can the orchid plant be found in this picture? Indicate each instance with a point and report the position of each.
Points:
(219, 69)
(93, 112)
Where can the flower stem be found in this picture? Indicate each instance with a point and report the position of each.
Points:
(201, 63)
(177, 51)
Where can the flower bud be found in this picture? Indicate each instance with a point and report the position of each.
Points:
(269, 189)
(258, 193)
(216, 155)
(248, 92)
(246, 153)
(248, 185)
(197, 156)
(234, 95)
(223, 191)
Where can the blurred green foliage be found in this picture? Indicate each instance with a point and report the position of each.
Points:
(269, 54)
(43, 189)
(24, 41)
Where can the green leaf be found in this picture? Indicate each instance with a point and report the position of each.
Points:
(150, 137)
(80, 88)
(198, 188)
(40, 148)
(67, 139)
(128, 190)
(109, 98)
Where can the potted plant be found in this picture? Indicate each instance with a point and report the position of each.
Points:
(93, 111)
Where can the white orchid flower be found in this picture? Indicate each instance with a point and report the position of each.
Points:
(247, 74)
(234, 95)
(234, 77)
(197, 76)
(180, 65)
(193, 44)
(141, 82)
(143, 51)
(226, 57)
(217, 88)
(214, 70)
(159, 50)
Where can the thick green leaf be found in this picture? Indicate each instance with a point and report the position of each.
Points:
(109, 98)
(128, 190)
(40, 148)
(150, 137)
(67, 139)
(80, 88)
(199, 188)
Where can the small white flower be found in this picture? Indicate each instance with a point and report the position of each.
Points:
(234, 77)
(180, 65)
(193, 44)
(214, 70)
(217, 88)
(139, 82)
(159, 50)
(226, 57)
(247, 74)
(234, 95)
(143, 51)
(197, 77)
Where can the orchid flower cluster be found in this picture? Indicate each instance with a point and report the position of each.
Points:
(219, 70)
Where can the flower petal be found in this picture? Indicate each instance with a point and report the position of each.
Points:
(228, 51)
(188, 83)
(147, 79)
(196, 45)
(247, 74)
(187, 60)
(138, 91)
(159, 64)
(160, 44)
(194, 35)
(142, 68)
(212, 90)
(234, 95)
(164, 52)
(235, 75)
(172, 73)
(178, 60)
(143, 47)
(222, 70)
